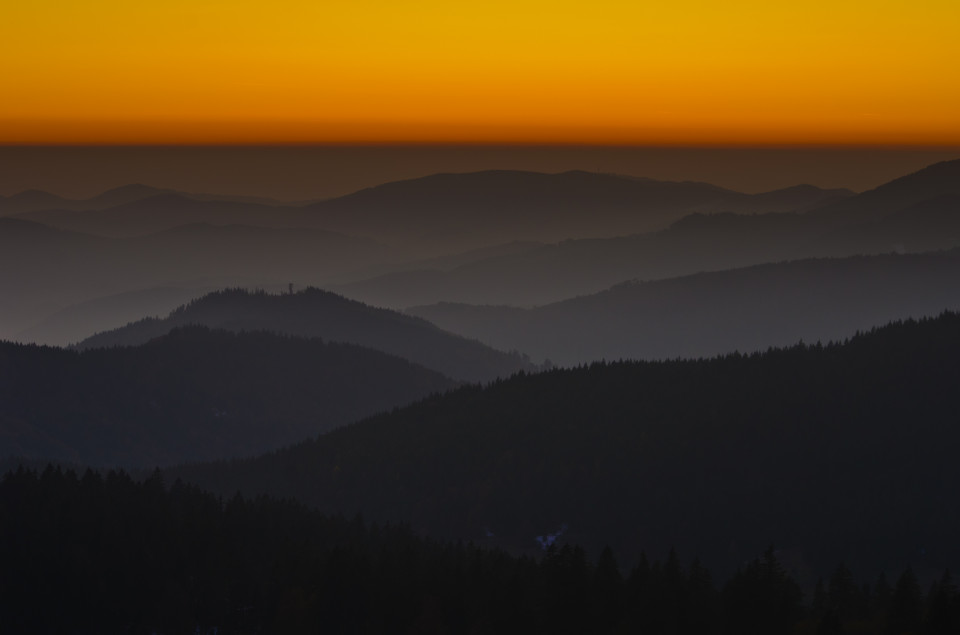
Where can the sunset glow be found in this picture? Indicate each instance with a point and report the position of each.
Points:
(296, 71)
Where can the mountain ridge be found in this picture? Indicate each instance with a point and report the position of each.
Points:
(316, 313)
(468, 210)
(34, 200)
(715, 456)
(922, 219)
(193, 394)
(709, 313)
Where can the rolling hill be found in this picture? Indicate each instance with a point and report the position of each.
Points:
(504, 206)
(834, 453)
(36, 200)
(441, 213)
(79, 321)
(468, 210)
(315, 313)
(922, 214)
(192, 394)
(44, 270)
(932, 182)
(706, 314)
(161, 211)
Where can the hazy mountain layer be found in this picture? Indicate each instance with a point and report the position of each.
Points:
(711, 313)
(193, 394)
(933, 182)
(500, 205)
(923, 214)
(80, 321)
(163, 211)
(576, 267)
(45, 270)
(441, 213)
(35, 200)
(316, 313)
(834, 453)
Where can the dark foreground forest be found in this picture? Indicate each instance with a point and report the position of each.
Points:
(106, 554)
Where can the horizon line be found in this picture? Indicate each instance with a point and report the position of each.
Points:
(468, 144)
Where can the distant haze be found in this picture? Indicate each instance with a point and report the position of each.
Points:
(311, 172)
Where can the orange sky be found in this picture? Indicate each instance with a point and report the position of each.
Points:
(740, 72)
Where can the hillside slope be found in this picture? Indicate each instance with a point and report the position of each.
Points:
(315, 313)
(841, 453)
(918, 212)
(707, 314)
(193, 394)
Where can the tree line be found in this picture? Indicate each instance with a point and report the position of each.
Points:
(105, 553)
(842, 452)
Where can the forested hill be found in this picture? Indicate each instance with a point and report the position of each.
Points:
(315, 313)
(844, 452)
(176, 560)
(193, 394)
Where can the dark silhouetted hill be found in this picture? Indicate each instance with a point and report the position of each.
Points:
(315, 313)
(707, 314)
(192, 394)
(835, 453)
